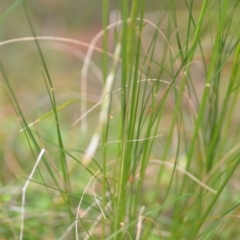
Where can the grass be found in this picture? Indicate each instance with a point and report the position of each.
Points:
(146, 148)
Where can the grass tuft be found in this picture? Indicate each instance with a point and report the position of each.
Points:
(140, 137)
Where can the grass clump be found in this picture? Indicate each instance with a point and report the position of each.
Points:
(150, 150)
